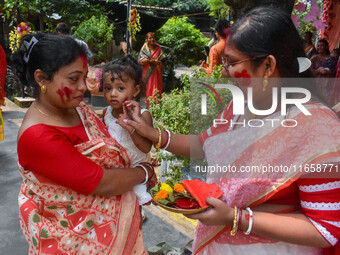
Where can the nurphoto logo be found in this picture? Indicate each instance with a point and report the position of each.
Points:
(239, 104)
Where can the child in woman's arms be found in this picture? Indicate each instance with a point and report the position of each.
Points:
(121, 81)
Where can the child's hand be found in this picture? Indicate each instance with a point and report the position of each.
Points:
(133, 109)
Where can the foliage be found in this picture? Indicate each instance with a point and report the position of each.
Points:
(218, 8)
(98, 34)
(71, 11)
(189, 6)
(304, 25)
(179, 7)
(183, 39)
(180, 112)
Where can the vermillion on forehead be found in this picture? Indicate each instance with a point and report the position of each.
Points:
(83, 59)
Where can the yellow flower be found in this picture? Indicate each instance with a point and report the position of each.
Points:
(165, 186)
(179, 188)
(162, 194)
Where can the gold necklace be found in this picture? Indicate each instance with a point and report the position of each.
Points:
(49, 116)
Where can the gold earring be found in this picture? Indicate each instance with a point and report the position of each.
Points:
(43, 89)
(265, 82)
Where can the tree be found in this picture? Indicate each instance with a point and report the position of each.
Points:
(71, 11)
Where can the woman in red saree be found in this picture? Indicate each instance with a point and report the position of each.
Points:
(75, 197)
(150, 58)
(269, 206)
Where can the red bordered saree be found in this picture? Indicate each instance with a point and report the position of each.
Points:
(58, 220)
(315, 140)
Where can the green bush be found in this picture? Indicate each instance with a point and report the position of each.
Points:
(180, 111)
(184, 42)
(98, 34)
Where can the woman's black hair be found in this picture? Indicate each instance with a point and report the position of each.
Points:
(127, 65)
(325, 42)
(49, 54)
(267, 31)
(220, 27)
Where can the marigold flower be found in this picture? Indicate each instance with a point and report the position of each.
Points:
(165, 186)
(179, 188)
(162, 194)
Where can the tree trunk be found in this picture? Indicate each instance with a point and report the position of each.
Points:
(239, 7)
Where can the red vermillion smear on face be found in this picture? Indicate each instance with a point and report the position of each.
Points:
(61, 94)
(67, 92)
(246, 77)
(83, 59)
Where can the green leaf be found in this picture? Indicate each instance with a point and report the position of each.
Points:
(163, 201)
(171, 197)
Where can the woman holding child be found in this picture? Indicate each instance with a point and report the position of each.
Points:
(293, 212)
(75, 197)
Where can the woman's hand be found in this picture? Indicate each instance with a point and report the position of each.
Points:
(122, 117)
(144, 61)
(219, 213)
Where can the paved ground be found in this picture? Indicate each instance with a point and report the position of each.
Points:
(160, 225)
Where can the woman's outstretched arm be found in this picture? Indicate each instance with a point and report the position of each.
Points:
(184, 145)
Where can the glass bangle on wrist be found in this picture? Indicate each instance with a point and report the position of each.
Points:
(167, 140)
(250, 226)
(146, 173)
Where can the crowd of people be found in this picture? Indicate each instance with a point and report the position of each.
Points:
(86, 177)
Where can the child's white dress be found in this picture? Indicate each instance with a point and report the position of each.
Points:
(136, 156)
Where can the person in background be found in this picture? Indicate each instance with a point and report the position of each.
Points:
(63, 29)
(77, 191)
(324, 84)
(309, 46)
(275, 212)
(331, 62)
(216, 51)
(319, 60)
(151, 59)
(3, 71)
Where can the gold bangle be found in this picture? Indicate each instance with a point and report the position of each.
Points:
(234, 228)
(158, 145)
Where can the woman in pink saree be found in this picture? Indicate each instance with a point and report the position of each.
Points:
(282, 194)
(77, 191)
(150, 58)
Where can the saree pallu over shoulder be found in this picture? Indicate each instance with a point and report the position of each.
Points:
(58, 220)
(314, 140)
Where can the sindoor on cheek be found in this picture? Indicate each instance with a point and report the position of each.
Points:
(64, 93)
